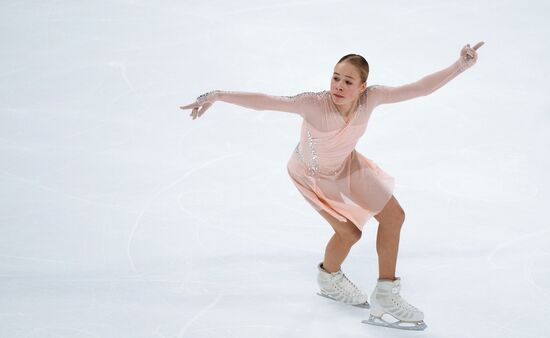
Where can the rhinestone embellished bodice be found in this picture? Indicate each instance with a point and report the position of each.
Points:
(324, 150)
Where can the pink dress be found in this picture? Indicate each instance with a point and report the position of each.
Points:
(327, 169)
(325, 166)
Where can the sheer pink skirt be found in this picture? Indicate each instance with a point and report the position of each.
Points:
(357, 192)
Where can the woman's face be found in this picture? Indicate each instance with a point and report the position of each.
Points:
(346, 85)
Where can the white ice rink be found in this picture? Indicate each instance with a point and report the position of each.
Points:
(120, 216)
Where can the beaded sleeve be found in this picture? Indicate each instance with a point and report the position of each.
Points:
(299, 104)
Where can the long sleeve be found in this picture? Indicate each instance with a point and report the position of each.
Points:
(426, 85)
(299, 104)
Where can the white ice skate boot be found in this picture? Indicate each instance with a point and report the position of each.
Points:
(386, 300)
(338, 287)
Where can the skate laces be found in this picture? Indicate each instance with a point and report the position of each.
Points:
(348, 285)
(400, 301)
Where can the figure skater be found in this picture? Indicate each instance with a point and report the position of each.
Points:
(344, 186)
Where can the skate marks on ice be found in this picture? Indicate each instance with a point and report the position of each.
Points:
(121, 68)
(530, 253)
(264, 8)
(201, 313)
(39, 185)
(527, 257)
(245, 330)
(61, 331)
(162, 190)
(490, 173)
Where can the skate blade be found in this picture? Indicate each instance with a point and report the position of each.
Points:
(365, 305)
(416, 326)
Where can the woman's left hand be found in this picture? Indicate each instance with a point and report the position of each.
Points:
(468, 55)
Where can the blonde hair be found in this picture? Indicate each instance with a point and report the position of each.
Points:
(359, 62)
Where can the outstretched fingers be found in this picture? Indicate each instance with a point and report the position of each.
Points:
(204, 107)
(196, 109)
(479, 44)
(190, 106)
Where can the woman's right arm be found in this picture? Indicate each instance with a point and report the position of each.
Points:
(297, 104)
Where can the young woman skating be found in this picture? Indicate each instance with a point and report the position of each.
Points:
(344, 186)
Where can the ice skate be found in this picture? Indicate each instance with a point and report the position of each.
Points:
(387, 302)
(338, 287)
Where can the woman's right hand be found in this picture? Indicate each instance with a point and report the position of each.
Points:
(201, 104)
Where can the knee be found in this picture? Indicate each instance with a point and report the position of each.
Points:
(401, 216)
(399, 219)
(350, 236)
(396, 220)
(392, 214)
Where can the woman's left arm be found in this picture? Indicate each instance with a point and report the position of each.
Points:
(428, 84)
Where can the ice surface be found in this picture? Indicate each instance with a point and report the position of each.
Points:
(120, 216)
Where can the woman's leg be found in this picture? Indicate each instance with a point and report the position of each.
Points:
(390, 220)
(345, 236)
